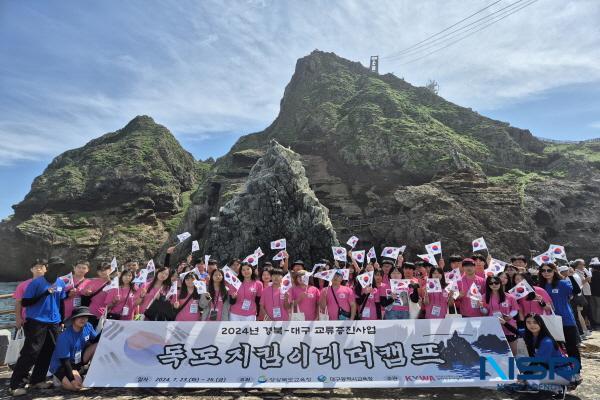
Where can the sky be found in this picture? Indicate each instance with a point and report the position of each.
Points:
(211, 71)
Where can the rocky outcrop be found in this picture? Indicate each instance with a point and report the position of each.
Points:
(275, 202)
(118, 195)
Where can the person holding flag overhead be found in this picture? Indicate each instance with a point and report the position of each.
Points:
(150, 291)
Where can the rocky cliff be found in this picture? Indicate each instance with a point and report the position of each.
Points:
(118, 195)
(397, 164)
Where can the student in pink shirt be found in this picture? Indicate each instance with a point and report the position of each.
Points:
(94, 293)
(73, 299)
(216, 303)
(120, 301)
(534, 303)
(247, 296)
(480, 264)
(502, 305)
(468, 306)
(338, 301)
(368, 303)
(383, 290)
(274, 304)
(152, 290)
(304, 298)
(436, 304)
(37, 269)
(386, 268)
(188, 305)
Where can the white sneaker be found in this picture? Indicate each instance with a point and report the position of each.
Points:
(42, 385)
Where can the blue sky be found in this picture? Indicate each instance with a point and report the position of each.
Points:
(212, 71)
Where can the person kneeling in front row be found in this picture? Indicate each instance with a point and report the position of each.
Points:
(75, 348)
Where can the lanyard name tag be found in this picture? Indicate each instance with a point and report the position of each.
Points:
(474, 304)
(246, 305)
(554, 290)
(194, 307)
(276, 312)
(213, 315)
(366, 312)
(436, 310)
(76, 301)
(125, 310)
(77, 357)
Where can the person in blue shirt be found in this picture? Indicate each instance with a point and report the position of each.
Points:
(43, 301)
(560, 291)
(541, 344)
(75, 347)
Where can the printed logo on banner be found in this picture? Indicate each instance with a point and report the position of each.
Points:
(530, 368)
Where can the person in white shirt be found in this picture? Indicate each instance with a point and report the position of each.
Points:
(585, 275)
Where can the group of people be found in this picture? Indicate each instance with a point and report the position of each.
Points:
(61, 319)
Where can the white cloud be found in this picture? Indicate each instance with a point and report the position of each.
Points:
(205, 68)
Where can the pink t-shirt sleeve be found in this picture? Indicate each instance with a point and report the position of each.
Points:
(259, 288)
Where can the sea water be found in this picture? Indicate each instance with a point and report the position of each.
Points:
(7, 288)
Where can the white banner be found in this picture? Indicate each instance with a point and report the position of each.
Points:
(319, 354)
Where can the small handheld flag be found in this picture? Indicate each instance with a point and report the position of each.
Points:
(521, 289)
(195, 246)
(339, 253)
(365, 279)
(434, 285)
(371, 254)
(434, 248)
(182, 237)
(278, 244)
(359, 256)
(479, 244)
(286, 283)
(352, 241)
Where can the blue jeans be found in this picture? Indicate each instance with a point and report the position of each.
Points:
(396, 314)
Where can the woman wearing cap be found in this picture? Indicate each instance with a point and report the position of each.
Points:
(470, 307)
(247, 296)
(501, 305)
(120, 300)
(337, 300)
(560, 291)
(187, 303)
(75, 347)
(304, 298)
(216, 303)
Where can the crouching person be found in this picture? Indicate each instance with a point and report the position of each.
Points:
(74, 349)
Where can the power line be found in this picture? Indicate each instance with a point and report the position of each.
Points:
(444, 30)
(438, 40)
(470, 34)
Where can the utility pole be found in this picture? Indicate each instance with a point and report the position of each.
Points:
(374, 64)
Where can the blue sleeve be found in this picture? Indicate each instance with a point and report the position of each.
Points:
(63, 348)
(92, 331)
(546, 348)
(32, 289)
(567, 287)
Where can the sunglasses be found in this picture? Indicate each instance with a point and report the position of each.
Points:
(495, 283)
(545, 270)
